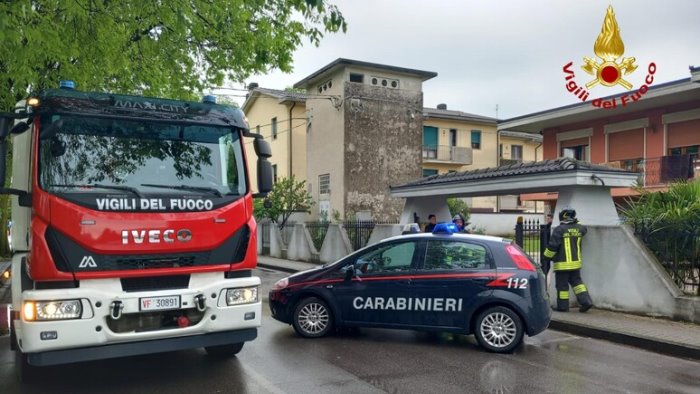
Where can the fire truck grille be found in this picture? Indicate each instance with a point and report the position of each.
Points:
(140, 262)
(153, 321)
(69, 256)
(151, 283)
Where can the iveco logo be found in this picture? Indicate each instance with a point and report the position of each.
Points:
(155, 236)
(87, 262)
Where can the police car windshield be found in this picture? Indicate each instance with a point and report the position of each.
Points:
(139, 156)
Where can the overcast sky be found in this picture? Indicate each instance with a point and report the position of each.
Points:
(508, 53)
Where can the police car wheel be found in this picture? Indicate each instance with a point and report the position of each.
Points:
(312, 318)
(499, 329)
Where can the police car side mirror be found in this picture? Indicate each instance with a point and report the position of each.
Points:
(349, 272)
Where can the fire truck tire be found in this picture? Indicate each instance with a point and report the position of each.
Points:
(312, 318)
(25, 373)
(499, 329)
(224, 351)
(13, 336)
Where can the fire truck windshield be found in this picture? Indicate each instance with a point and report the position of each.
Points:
(107, 156)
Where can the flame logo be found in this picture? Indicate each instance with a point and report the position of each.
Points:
(609, 47)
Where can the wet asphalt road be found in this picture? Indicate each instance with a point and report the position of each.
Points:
(374, 361)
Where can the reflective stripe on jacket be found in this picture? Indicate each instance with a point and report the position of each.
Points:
(565, 246)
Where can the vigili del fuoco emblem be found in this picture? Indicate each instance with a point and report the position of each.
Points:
(609, 68)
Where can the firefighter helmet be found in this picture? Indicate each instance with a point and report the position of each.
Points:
(567, 214)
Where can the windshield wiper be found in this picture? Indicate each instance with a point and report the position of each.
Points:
(186, 187)
(113, 187)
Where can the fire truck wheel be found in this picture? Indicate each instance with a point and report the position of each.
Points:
(498, 329)
(25, 373)
(223, 351)
(312, 318)
(13, 336)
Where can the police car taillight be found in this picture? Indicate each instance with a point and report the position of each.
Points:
(519, 258)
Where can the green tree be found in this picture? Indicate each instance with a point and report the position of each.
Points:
(288, 196)
(172, 49)
(669, 223)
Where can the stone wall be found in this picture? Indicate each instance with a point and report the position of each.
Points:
(383, 147)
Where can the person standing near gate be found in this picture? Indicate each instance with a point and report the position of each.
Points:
(432, 221)
(564, 249)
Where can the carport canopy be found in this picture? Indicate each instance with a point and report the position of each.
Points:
(581, 185)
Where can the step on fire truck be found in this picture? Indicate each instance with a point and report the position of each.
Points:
(133, 227)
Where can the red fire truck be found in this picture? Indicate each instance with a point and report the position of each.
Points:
(133, 227)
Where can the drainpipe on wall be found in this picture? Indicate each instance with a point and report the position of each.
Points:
(498, 160)
(294, 103)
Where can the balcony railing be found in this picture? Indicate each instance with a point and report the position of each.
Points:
(449, 154)
(660, 171)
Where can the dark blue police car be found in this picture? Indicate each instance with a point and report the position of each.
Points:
(444, 281)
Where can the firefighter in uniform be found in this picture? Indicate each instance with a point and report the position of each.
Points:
(564, 249)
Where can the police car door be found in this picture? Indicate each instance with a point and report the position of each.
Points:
(449, 282)
(379, 291)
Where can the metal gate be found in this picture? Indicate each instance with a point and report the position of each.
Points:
(533, 236)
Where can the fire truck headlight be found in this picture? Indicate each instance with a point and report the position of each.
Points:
(52, 310)
(241, 295)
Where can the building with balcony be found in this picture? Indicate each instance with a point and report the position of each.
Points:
(352, 129)
(516, 147)
(455, 140)
(658, 136)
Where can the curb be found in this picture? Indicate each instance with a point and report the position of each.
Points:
(278, 268)
(654, 345)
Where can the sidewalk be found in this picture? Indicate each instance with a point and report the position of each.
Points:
(657, 335)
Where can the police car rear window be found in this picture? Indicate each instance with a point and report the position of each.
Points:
(446, 254)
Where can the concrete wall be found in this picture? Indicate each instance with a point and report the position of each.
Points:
(277, 247)
(406, 82)
(424, 206)
(301, 246)
(336, 245)
(621, 274)
(384, 231)
(500, 223)
(383, 147)
(593, 205)
(324, 144)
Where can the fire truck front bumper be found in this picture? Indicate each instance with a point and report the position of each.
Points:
(99, 320)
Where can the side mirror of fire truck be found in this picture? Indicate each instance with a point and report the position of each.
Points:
(24, 198)
(262, 149)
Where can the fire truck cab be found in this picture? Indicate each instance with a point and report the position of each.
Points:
(133, 228)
